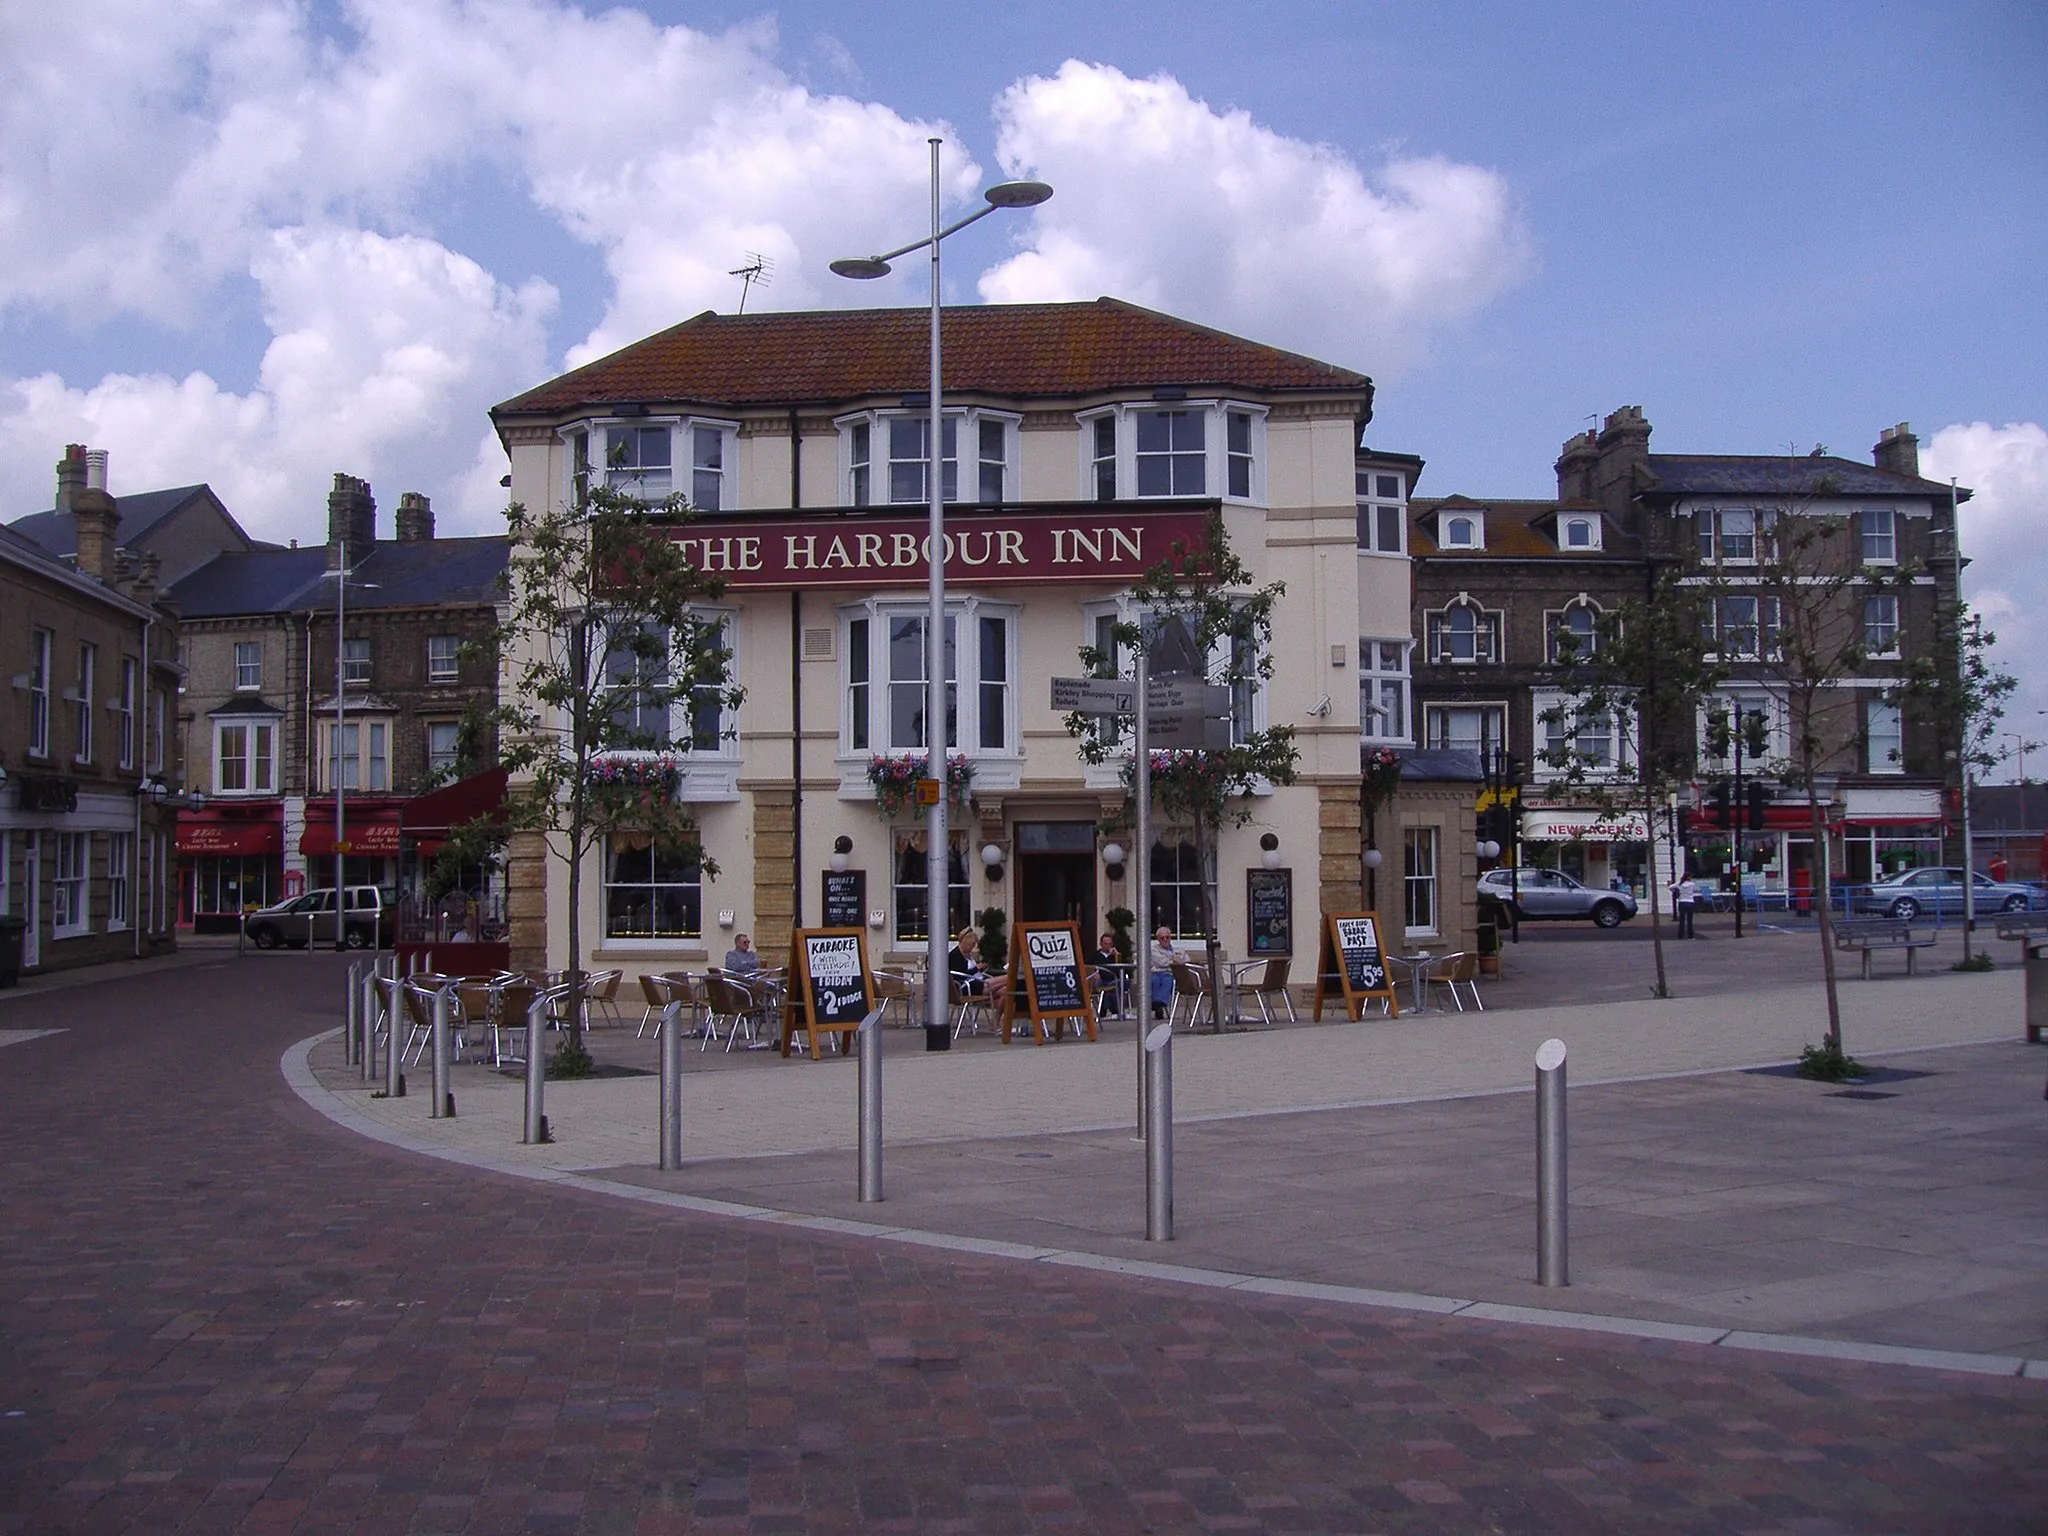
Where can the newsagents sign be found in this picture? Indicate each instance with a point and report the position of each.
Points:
(1078, 543)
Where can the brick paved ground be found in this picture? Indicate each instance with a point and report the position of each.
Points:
(225, 1313)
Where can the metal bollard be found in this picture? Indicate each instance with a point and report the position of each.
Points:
(1159, 1133)
(370, 1009)
(444, 1096)
(672, 1085)
(1551, 1222)
(870, 1037)
(394, 1037)
(352, 1014)
(536, 1072)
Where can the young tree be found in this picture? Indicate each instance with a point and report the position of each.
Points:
(1646, 673)
(1808, 632)
(604, 646)
(1198, 615)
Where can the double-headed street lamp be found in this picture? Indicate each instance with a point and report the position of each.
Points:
(342, 582)
(938, 886)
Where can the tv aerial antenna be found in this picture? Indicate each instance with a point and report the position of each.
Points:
(758, 269)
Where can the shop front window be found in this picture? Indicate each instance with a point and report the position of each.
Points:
(912, 886)
(650, 892)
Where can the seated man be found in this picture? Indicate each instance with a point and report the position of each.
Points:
(1163, 957)
(741, 960)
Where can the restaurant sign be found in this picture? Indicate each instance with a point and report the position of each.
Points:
(1076, 544)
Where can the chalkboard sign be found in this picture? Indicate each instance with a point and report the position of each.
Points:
(830, 987)
(846, 897)
(1353, 963)
(1048, 958)
(1269, 910)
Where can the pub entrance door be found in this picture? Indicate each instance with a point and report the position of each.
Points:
(1056, 874)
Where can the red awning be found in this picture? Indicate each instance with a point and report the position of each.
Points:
(431, 815)
(204, 837)
(374, 839)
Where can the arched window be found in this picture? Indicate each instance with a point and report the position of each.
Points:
(1575, 632)
(1464, 633)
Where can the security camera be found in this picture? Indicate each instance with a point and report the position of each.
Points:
(1321, 706)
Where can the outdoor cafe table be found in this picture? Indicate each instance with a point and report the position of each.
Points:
(1418, 964)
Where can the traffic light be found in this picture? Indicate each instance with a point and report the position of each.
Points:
(1719, 814)
(1756, 806)
(1684, 825)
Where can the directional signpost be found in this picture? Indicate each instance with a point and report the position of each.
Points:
(1094, 695)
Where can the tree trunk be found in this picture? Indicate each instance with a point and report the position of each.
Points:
(1824, 895)
(1209, 940)
(1663, 986)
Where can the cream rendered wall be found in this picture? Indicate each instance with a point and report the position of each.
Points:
(1049, 460)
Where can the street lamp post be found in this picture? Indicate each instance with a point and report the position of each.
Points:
(938, 889)
(341, 586)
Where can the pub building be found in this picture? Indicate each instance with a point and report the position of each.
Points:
(1080, 441)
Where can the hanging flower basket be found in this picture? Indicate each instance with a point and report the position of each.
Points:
(1382, 770)
(895, 781)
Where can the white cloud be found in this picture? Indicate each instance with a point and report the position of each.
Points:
(1240, 227)
(2005, 537)
(380, 344)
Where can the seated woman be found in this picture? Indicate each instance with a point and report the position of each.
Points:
(964, 961)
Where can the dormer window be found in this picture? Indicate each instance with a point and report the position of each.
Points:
(1461, 530)
(1578, 531)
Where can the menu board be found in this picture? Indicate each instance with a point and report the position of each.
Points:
(846, 898)
(830, 987)
(1048, 958)
(1269, 911)
(1353, 963)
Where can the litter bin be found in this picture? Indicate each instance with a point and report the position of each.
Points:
(2037, 990)
(11, 930)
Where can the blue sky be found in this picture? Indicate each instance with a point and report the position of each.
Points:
(282, 240)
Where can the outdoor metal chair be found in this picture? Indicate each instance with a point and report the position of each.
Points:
(1272, 988)
(1191, 995)
(1453, 971)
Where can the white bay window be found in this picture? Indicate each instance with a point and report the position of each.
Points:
(885, 456)
(1151, 449)
(886, 678)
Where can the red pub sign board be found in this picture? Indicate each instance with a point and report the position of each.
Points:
(1076, 544)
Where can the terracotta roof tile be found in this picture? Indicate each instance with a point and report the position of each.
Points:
(1015, 350)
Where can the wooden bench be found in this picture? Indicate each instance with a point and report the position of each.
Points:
(1867, 938)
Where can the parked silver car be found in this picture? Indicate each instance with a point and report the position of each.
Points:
(367, 920)
(1938, 890)
(1550, 893)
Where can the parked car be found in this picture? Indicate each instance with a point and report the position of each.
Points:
(1938, 890)
(367, 919)
(1549, 893)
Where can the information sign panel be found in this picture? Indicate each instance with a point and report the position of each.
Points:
(1353, 963)
(1269, 906)
(846, 897)
(830, 986)
(1048, 958)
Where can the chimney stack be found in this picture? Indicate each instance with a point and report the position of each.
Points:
(351, 519)
(82, 491)
(1898, 451)
(415, 519)
(1575, 468)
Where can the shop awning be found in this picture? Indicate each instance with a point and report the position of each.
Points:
(1584, 827)
(430, 816)
(204, 837)
(373, 839)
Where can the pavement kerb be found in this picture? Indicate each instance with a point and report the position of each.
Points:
(296, 1067)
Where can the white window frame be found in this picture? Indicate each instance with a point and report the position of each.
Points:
(967, 684)
(372, 767)
(1885, 629)
(1884, 534)
(248, 667)
(124, 710)
(1493, 724)
(1486, 633)
(71, 886)
(910, 870)
(446, 666)
(358, 660)
(702, 460)
(1385, 691)
(120, 877)
(694, 890)
(88, 679)
(154, 752)
(1563, 731)
(1766, 628)
(1559, 621)
(1381, 510)
(871, 481)
(1879, 745)
(440, 763)
(1420, 859)
(42, 647)
(1177, 885)
(1218, 459)
(1588, 523)
(1747, 529)
(1448, 524)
